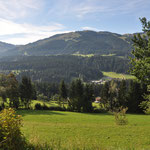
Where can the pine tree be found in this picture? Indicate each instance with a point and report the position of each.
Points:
(134, 97)
(105, 94)
(76, 95)
(88, 98)
(63, 92)
(26, 91)
(13, 91)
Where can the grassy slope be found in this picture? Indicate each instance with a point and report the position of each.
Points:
(117, 75)
(86, 130)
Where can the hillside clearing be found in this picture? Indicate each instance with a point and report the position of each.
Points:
(118, 75)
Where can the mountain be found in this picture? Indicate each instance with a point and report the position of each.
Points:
(5, 47)
(82, 42)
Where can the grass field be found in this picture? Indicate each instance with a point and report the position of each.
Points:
(84, 55)
(108, 55)
(118, 75)
(70, 130)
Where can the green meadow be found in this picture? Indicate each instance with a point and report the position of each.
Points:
(118, 75)
(72, 130)
(84, 55)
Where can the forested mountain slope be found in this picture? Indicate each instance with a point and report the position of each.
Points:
(83, 42)
(5, 47)
(67, 67)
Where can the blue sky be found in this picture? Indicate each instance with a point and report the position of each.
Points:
(25, 21)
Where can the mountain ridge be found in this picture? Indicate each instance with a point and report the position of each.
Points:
(82, 42)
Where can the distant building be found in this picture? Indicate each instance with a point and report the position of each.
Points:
(102, 80)
(97, 100)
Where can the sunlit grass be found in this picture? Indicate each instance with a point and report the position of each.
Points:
(86, 130)
(118, 75)
(108, 55)
(84, 55)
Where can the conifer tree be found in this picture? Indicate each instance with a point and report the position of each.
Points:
(26, 91)
(134, 97)
(76, 95)
(88, 98)
(13, 91)
(63, 92)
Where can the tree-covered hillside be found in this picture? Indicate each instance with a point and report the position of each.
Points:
(5, 47)
(83, 42)
(67, 67)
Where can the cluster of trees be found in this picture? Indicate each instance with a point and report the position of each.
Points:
(125, 93)
(14, 93)
(78, 96)
(81, 96)
(53, 69)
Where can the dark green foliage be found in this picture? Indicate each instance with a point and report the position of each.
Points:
(109, 95)
(46, 89)
(62, 92)
(141, 53)
(105, 94)
(126, 93)
(13, 91)
(88, 98)
(53, 69)
(135, 96)
(140, 62)
(76, 95)
(122, 91)
(81, 96)
(38, 106)
(9, 89)
(26, 91)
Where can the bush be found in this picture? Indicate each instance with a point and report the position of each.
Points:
(145, 105)
(45, 107)
(120, 116)
(11, 137)
(38, 106)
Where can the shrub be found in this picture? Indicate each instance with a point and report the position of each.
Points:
(38, 106)
(45, 107)
(120, 116)
(145, 105)
(11, 137)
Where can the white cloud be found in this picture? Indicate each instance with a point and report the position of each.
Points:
(85, 7)
(14, 9)
(27, 32)
(89, 28)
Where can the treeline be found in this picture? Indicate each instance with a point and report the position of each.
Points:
(15, 94)
(126, 93)
(76, 96)
(53, 69)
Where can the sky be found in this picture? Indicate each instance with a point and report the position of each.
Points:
(26, 21)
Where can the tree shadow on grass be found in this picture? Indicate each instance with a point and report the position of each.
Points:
(38, 112)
